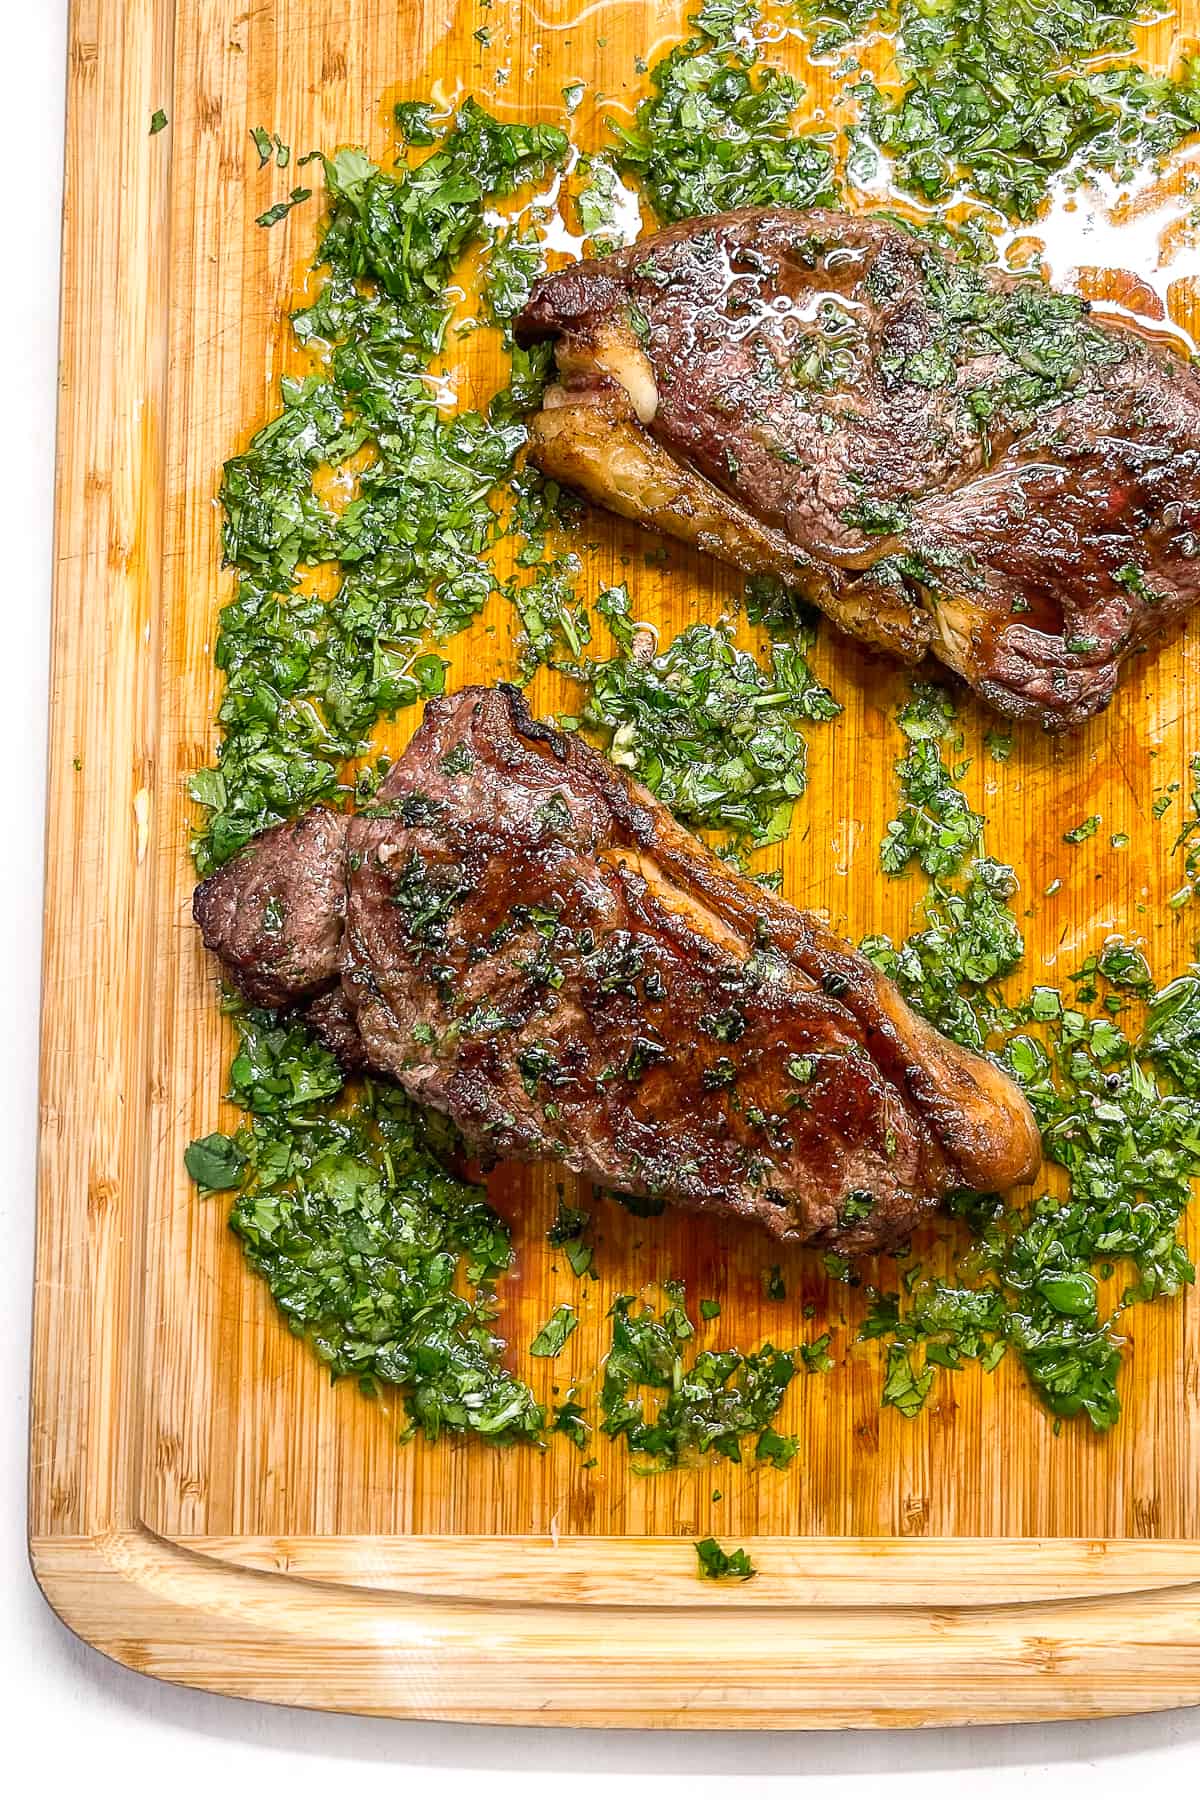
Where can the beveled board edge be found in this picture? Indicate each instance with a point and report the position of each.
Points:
(583, 1633)
(881, 1572)
(169, 1612)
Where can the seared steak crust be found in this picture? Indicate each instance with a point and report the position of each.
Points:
(536, 948)
(330, 1016)
(945, 460)
(274, 914)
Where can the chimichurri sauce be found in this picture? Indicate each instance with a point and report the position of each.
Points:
(343, 1195)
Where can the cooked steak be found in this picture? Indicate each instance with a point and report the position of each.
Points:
(944, 459)
(275, 916)
(332, 1019)
(534, 946)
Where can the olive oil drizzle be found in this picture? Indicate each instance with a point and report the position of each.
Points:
(361, 524)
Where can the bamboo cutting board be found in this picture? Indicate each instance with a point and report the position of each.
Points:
(204, 1506)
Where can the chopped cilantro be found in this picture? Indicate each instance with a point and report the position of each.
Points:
(603, 200)
(275, 214)
(774, 1448)
(569, 1419)
(270, 146)
(1171, 1033)
(555, 1332)
(279, 1068)
(215, 1161)
(708, 1405)
(568, 1233)
(838, 1268)
(512, 264)
(707, 728)
(904, 1387)
(721, 1565)
(935, 826)
(307, 677)
(970, 940)
(412, 118)
(718, 130)
(358, 1230)
(1003, 95)
(553, 618)
(1188, 839)
(1130, 1151)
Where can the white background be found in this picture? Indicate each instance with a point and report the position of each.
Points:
(69, 1720)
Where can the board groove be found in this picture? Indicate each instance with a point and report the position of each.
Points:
(168, 1611)
(203, 1506)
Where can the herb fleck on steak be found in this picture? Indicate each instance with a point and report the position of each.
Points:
(527, 941)
(945, 459)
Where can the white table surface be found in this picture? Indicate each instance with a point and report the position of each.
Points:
(70, 1720)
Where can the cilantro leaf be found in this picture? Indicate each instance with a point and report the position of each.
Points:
(716, 1564)
(555, 1332)
(215, 1161)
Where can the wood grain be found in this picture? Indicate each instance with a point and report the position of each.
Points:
(167, 1612)
(203, 1504)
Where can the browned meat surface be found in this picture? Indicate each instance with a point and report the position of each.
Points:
(275, 916)
(945, 460)
(536, 948)
(332, 1019)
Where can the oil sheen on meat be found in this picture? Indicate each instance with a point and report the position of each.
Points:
(947, 461)
(529, 943)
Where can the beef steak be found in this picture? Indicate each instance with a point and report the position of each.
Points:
(944, 459)
(275, 915)
(533, 946)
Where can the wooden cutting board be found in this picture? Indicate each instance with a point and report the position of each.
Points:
(204, 1506)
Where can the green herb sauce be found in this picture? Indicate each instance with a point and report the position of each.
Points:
(997, 98)
(1119, 1114)
(707, 728)
(708, 1404)
(361, 525)
(307, 677)
(720, 127)
(347, 1209)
